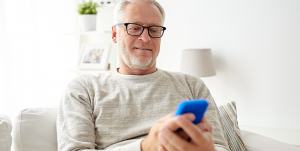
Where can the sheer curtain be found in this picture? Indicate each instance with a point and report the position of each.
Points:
(35, 53)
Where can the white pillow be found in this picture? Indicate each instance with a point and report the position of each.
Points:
(35, 130)
(5, 130)
(232, 131)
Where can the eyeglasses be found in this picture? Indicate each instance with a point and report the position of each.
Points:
(136, 30)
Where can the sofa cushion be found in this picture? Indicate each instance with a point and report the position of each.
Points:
(35, 130)
(232, 131)
(256, 142)
(5, 130)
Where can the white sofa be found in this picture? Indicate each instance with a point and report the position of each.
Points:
(5, 136)
(34, 129)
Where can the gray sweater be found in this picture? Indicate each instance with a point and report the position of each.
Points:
(114, 112)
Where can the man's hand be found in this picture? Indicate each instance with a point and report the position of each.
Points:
(151, 142)
(200, 135)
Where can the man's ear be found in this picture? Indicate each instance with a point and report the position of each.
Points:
(114, 34)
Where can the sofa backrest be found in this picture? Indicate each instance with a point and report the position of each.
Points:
(5, 130)
(35, 130)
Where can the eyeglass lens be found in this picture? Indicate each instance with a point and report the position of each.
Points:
(154, 31)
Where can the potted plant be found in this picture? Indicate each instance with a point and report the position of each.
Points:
(87, 16)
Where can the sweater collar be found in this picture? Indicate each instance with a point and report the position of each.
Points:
(137, 77)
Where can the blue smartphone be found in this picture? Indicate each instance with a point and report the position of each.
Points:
(197, 107)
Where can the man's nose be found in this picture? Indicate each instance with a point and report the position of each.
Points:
(145, 36)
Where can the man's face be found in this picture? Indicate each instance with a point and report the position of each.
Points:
(139, 52)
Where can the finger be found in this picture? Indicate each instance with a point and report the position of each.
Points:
(189, 116)
(166, 117)
(171, 123)
(191, 129)
(172, 142)
(182, 134)
(205, 125)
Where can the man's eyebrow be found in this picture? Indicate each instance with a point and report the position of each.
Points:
(148, 25)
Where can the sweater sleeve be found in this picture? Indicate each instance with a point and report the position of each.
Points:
(75, 121)
(134, 146)
(213, 116)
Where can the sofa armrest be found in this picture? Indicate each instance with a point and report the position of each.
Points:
(35, 130)
(5, 130)
(256, 142)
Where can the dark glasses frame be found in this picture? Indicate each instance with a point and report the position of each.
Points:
(143, 27)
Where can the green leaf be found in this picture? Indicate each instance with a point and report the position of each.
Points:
(94, 11)
(87, 8)
(88, 11)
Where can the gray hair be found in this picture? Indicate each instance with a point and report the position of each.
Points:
(119, 9)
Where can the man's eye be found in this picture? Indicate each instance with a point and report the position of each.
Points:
(154, 30)
(134, 28)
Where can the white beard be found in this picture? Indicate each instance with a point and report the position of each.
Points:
(132, 61)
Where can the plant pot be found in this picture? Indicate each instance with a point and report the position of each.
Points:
(87, 22)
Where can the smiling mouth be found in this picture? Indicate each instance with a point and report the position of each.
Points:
(142, 48)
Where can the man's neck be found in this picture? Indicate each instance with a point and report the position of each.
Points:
(128, 71)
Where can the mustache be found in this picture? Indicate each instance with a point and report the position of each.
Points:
(143, 45)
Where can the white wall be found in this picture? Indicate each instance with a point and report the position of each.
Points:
(256, 48)
(35, 54)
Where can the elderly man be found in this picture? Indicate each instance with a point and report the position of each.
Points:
(131, 108)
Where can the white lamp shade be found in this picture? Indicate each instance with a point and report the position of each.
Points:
(197, 62)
